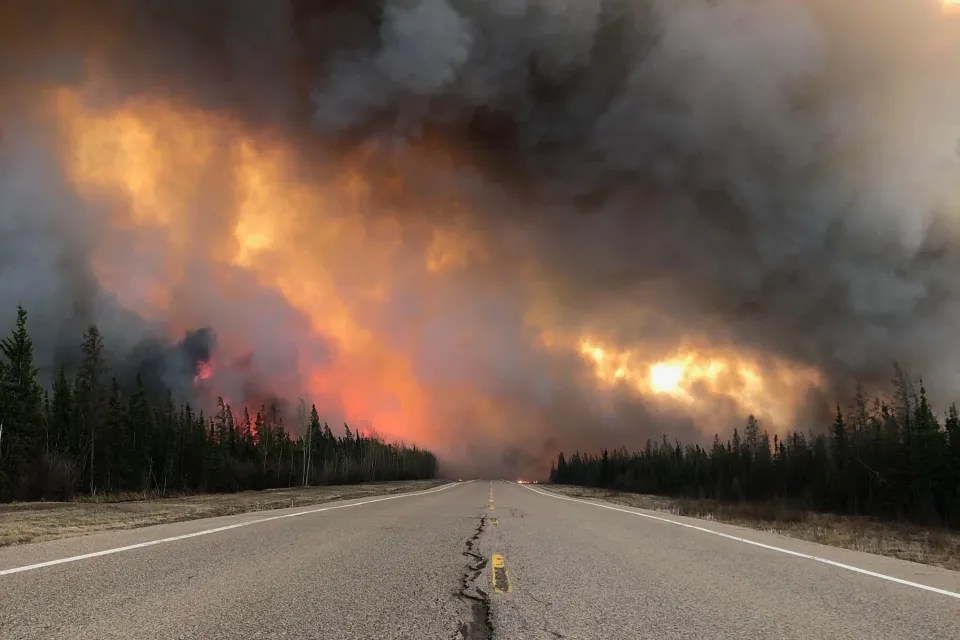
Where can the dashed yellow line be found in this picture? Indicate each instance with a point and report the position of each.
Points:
(494, 522)
(499, 575)
(491, 507)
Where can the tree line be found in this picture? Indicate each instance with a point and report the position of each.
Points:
(893, 459)
(87, 433)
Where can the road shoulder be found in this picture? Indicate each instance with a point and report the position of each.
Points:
(26, 522)
(99, 542)
(888, 567)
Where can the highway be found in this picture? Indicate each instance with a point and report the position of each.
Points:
(466, 560)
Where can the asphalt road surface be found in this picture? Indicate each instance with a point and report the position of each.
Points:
(471, 560)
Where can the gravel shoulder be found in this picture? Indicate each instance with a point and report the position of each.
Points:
(932, 546)
(24, 522)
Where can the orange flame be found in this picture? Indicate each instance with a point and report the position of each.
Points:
(689, 375)
(160, 161)
(205, 371)
(189, 183)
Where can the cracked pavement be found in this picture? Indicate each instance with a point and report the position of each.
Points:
(418, 567)
(475, 624)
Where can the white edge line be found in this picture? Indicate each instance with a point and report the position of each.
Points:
(195, 534)
(798, 554)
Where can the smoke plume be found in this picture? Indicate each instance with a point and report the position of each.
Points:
(497, 227)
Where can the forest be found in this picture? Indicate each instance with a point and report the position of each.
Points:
(893, 459)
(89, 433)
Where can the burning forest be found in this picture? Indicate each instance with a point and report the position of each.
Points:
(494, 230)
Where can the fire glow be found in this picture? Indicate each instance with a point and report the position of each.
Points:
(380, 209)
(302, 237)
(156, 159)
(688, 376)
(205, 369)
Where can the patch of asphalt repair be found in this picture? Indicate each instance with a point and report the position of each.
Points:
(478, 624)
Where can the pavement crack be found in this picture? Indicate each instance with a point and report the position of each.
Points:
(477, 624)
(546, 623)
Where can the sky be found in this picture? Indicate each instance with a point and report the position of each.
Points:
(493, 228)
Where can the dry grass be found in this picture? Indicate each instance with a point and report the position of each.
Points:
(23, 522)
(937, 547)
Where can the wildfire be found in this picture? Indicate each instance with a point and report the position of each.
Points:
(689, 376)
(191, 187)
(665, 377)
(610, 366)
(205, 371)
(186, 188)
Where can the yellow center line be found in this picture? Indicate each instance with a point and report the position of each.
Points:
(494, 522)
(498, 575)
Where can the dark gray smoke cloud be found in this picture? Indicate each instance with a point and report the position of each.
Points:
(766, 175)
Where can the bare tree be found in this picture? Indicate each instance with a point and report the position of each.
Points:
(305, 436)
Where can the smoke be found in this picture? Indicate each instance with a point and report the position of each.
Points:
(418, 212)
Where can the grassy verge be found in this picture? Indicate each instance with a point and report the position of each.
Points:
(937, 547)
(23, 522)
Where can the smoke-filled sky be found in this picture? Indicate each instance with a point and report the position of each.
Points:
(495, 228)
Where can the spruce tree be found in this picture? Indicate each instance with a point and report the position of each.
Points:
(20, 411)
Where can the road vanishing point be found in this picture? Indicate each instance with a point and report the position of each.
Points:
(467, 560)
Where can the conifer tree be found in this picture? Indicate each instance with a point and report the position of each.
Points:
(20, 409)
